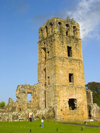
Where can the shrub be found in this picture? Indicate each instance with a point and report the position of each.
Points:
(2, 104)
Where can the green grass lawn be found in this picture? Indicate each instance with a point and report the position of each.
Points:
(49, 127)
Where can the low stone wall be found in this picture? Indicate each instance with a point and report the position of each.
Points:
(24, 116)
(4, 117)
(45, 113)
(15, 116)
(2, 110)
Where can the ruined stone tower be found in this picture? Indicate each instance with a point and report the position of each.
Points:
(60, 69)
(61, 92)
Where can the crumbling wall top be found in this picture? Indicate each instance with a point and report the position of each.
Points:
(58, 25)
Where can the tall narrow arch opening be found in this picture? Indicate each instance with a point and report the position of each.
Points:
(67, 29)
(59, 26)
(45, 97)
(44, 73)
(51, 28)
(46, 31)
(74, 30)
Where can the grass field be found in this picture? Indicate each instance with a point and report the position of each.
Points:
(49, 127)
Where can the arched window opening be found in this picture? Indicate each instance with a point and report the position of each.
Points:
(74, 30)
(67, 25)
(59, 26)
(51, 25)
(72, 104)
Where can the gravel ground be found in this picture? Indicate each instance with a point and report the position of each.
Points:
(80, 124)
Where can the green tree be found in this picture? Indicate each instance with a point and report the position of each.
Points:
(70, 19)
(2, 104)
(95, 88)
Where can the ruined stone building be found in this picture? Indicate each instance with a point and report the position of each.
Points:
(60, 69)
(60, 92)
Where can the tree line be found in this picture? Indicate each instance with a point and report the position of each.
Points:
(95, 88)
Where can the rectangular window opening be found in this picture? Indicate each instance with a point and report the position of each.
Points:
(69, 51)
(45, 98)
(71, 79)
(48, 80)
(29, 97)
(72, 104)
(44, 76)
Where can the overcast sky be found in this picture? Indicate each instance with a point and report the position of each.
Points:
(19, 24)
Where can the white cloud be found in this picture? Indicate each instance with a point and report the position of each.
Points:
(87, 14)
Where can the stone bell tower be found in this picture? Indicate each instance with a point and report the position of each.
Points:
(61, 71)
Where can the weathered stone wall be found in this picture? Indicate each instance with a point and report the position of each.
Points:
(21, 94)
(11, 116)
(65, 93)
(66, 66)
